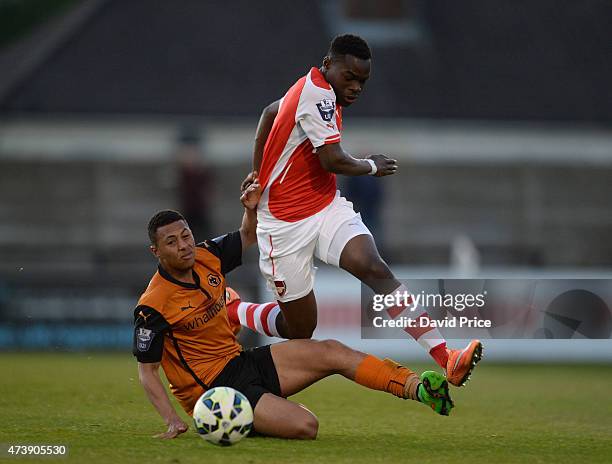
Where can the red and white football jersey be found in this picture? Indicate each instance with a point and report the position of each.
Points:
(295, 185)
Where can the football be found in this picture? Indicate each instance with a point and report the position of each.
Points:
(223, 416)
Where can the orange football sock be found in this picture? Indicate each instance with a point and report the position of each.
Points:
(387, 376)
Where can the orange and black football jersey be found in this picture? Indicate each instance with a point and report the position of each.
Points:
(185, 326)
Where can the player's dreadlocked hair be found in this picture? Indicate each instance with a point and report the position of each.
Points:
(160, 219)
(349, 44)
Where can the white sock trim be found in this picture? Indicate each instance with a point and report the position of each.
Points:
(242, 311)
(401, 289)
(429, 341)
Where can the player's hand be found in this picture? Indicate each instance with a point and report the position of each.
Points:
(248, 180)
(250, 196)
(175, 428)
(385, 166)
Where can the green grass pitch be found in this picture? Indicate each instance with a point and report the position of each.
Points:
(507, 413)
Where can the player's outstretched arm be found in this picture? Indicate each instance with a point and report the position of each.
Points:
(263, 130)
(148, 374)
(334, 159)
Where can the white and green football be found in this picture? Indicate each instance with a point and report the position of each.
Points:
(223, 416)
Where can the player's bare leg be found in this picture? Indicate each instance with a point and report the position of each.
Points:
(300, 363)
(299, 317)
(360, 257)
(277, 417)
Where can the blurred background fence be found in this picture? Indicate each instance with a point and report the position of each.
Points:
(498, 112)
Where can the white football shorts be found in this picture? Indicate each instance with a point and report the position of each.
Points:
(287, 249)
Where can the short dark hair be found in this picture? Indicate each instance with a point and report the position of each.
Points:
(349, 44)
(160, 219)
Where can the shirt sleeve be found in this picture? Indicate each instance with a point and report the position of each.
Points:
(316, 114)
(228, 248)
(149, 329)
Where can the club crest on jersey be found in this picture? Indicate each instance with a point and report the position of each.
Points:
(280, 287)
(144, 338)
(326, 109)
(213, 280)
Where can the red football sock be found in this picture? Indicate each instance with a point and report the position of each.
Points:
(439, 354)
(258, 317)
(428, 336)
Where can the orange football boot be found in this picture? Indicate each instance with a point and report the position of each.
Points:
(461, 363)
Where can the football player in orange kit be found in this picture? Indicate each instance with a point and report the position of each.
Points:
(181, 323)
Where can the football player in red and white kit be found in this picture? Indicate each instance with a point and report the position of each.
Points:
(301, 213)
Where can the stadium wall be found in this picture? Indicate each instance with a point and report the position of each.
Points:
(75, 196)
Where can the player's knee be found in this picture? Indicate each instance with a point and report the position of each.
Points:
(332, 347)
(308, 427)
(332, 354)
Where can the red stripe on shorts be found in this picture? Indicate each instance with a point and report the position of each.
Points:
(270, 256)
